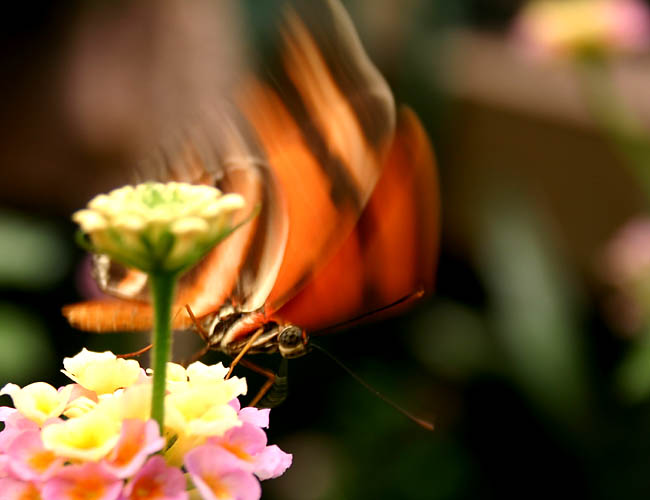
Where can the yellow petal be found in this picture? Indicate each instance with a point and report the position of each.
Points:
(88, 437)
(101, 372)
(38, 401)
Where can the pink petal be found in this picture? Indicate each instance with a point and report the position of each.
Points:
(156, 481)
(235, 404)
(259, 418)
(14, 489)
(4, 465)
(15, 425)
(80, 391)
(217, 475)
(271, 462)
(243, 443)
(235, 485)
(138, 440)
(5, 412)
(29, 460)
(630, 23)
(88, 481)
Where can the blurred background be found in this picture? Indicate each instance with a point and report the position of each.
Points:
(533, 356)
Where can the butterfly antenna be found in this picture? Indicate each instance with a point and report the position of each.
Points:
(136, 353)
(418, 294)
(419, 421)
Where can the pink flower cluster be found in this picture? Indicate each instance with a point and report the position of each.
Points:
(552, 28)
(227, 465)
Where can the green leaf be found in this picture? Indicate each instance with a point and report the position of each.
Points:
(534, 307)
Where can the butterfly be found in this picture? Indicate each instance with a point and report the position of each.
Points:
(347, 190)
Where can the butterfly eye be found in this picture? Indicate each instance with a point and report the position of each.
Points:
(291, 342)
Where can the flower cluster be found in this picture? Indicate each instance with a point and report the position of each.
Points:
(94, 439)
(577, 27)
(155, 226)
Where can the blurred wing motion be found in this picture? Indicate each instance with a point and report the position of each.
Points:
(349, 204)
(394, 247)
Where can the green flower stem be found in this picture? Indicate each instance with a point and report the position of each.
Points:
(162, 285)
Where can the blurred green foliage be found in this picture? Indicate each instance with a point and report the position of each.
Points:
(26, 351)
(34, 252)
(534, 307)
(633, 376)
(34, 259)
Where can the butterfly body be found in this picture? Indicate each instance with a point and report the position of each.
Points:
(230, 332)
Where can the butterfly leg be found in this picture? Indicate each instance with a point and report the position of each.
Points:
(244, 350)
(276, 388)
(270, 376)
(202, 332)
(205, 335)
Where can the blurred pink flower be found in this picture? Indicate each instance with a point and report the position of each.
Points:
(89, 481)
(247, 444)
(272, 462)
(156, 481)
(567, 28)
(625, 265)
(138, 440)
(217, 474)
(4, 465)
(258, 418)
(29, 460)
(15, 425)
(14, 489)
(79, 391)
(627, 256)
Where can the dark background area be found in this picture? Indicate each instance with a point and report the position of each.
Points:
(515, 358)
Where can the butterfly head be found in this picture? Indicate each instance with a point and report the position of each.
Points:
(292, 341)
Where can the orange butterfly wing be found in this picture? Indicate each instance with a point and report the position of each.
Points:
(325, 131)
(317, 150)
(393, 249)
(310, 217)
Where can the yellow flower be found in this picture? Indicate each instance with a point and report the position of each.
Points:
(176, 373)
(194, 412)
(38, 401)
(155, 226)
(101, 372)
(79, 406)
(191, 418)
(133, 402)
(199, 408)
(88, 437)
(176, 376)
(202, 373)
